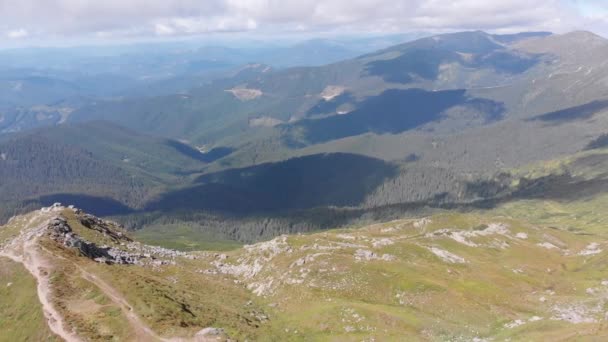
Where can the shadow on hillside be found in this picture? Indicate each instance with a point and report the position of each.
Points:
(597, 143)
(206, 157)
(425, 59)
(336, 179)
(559, 188)
(98, 206)
(582, 112)
(394, 111)
(331, 106)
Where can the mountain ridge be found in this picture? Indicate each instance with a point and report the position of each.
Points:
(390, 270)
(442, 143)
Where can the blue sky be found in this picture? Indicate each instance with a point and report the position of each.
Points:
(28, 22)
(590, 8)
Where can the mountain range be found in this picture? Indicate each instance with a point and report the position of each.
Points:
(451, 187)
(446, 120)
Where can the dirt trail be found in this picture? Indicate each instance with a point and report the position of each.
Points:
(141, 329)
(25, 250)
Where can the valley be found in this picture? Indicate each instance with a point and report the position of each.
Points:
(447, 187)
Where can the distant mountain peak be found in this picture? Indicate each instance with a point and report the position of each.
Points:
(571, 43)
(585, 37)
(582, 33)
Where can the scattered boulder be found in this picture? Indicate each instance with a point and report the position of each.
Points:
(211, 334)
(367, 255)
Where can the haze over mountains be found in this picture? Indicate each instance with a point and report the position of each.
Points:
(420, 122)
(67, 78)
(448, 187)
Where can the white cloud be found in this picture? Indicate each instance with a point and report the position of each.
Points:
(16, 34)
(111, 18)
(176, 26)
(163, 30)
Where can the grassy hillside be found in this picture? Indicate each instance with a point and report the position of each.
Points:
(21, 317)
(463, 276)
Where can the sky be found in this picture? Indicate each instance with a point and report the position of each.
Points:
(49, 22)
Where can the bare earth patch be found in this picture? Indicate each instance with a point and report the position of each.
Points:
(245, 94)
(264, 121)
(331, 92)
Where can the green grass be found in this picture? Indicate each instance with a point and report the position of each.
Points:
(21, 317)
(184, 238)
(415, 295)
(443, 301)
(90, 313)
(14, 227)
(584, 216)
(177, 301)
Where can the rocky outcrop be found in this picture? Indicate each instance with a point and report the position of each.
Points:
(103, 227)
(61, 232)
(122, 250)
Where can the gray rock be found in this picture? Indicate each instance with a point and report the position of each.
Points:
(61, 232)
(210, 332)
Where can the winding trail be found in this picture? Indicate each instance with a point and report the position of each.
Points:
(142, 331)
(25, 250)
